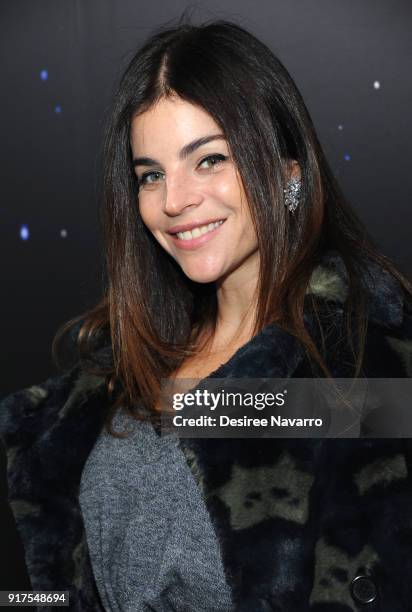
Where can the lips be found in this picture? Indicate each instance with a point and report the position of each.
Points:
(189, 226)
(197, 242)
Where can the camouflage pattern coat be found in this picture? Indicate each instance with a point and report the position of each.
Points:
(303, 524)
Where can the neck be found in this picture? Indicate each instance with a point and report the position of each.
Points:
(237, 303)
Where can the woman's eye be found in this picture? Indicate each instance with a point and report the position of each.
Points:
(212, 160)
(154, 177)
(149, 178)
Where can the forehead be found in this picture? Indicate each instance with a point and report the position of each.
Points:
(170, 122)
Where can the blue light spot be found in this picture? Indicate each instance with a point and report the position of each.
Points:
(58, 109)
(24, 232)
(347, 157)
(44, 75)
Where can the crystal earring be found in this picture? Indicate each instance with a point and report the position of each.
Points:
(292, 193)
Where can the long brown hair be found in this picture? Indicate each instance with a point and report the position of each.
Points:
(151, 314)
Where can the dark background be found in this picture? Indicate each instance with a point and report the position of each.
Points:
(51, 134)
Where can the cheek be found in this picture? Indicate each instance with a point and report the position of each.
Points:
(226, 187)
(147, 212)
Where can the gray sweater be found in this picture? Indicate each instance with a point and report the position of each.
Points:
(152, 545)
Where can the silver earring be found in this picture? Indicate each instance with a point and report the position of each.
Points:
(292, 193)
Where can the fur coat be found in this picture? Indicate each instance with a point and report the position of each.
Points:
(319, 525)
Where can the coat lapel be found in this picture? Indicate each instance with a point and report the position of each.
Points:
(257, 491)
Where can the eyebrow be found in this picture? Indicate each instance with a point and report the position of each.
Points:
(183, 153)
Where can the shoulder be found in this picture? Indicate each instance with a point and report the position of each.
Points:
(50, 410)
(386, 303)
(28, 413)
(388, 310)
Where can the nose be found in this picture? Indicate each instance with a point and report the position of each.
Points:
(181, 192)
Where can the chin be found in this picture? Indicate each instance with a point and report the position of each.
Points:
(204, 276)
(197, 278)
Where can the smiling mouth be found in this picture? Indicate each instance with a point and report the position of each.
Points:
(198, 231)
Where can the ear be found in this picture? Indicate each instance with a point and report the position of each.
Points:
(294, 169)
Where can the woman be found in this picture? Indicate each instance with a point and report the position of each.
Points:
(231, 253)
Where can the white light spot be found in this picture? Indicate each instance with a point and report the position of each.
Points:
(24, 232)
(376, 85)
(63, 233)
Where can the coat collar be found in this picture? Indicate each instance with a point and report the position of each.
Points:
(329, 281)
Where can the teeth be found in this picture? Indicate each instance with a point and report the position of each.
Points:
(198, 231)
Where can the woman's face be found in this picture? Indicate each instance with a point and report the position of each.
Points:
(190, 194)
